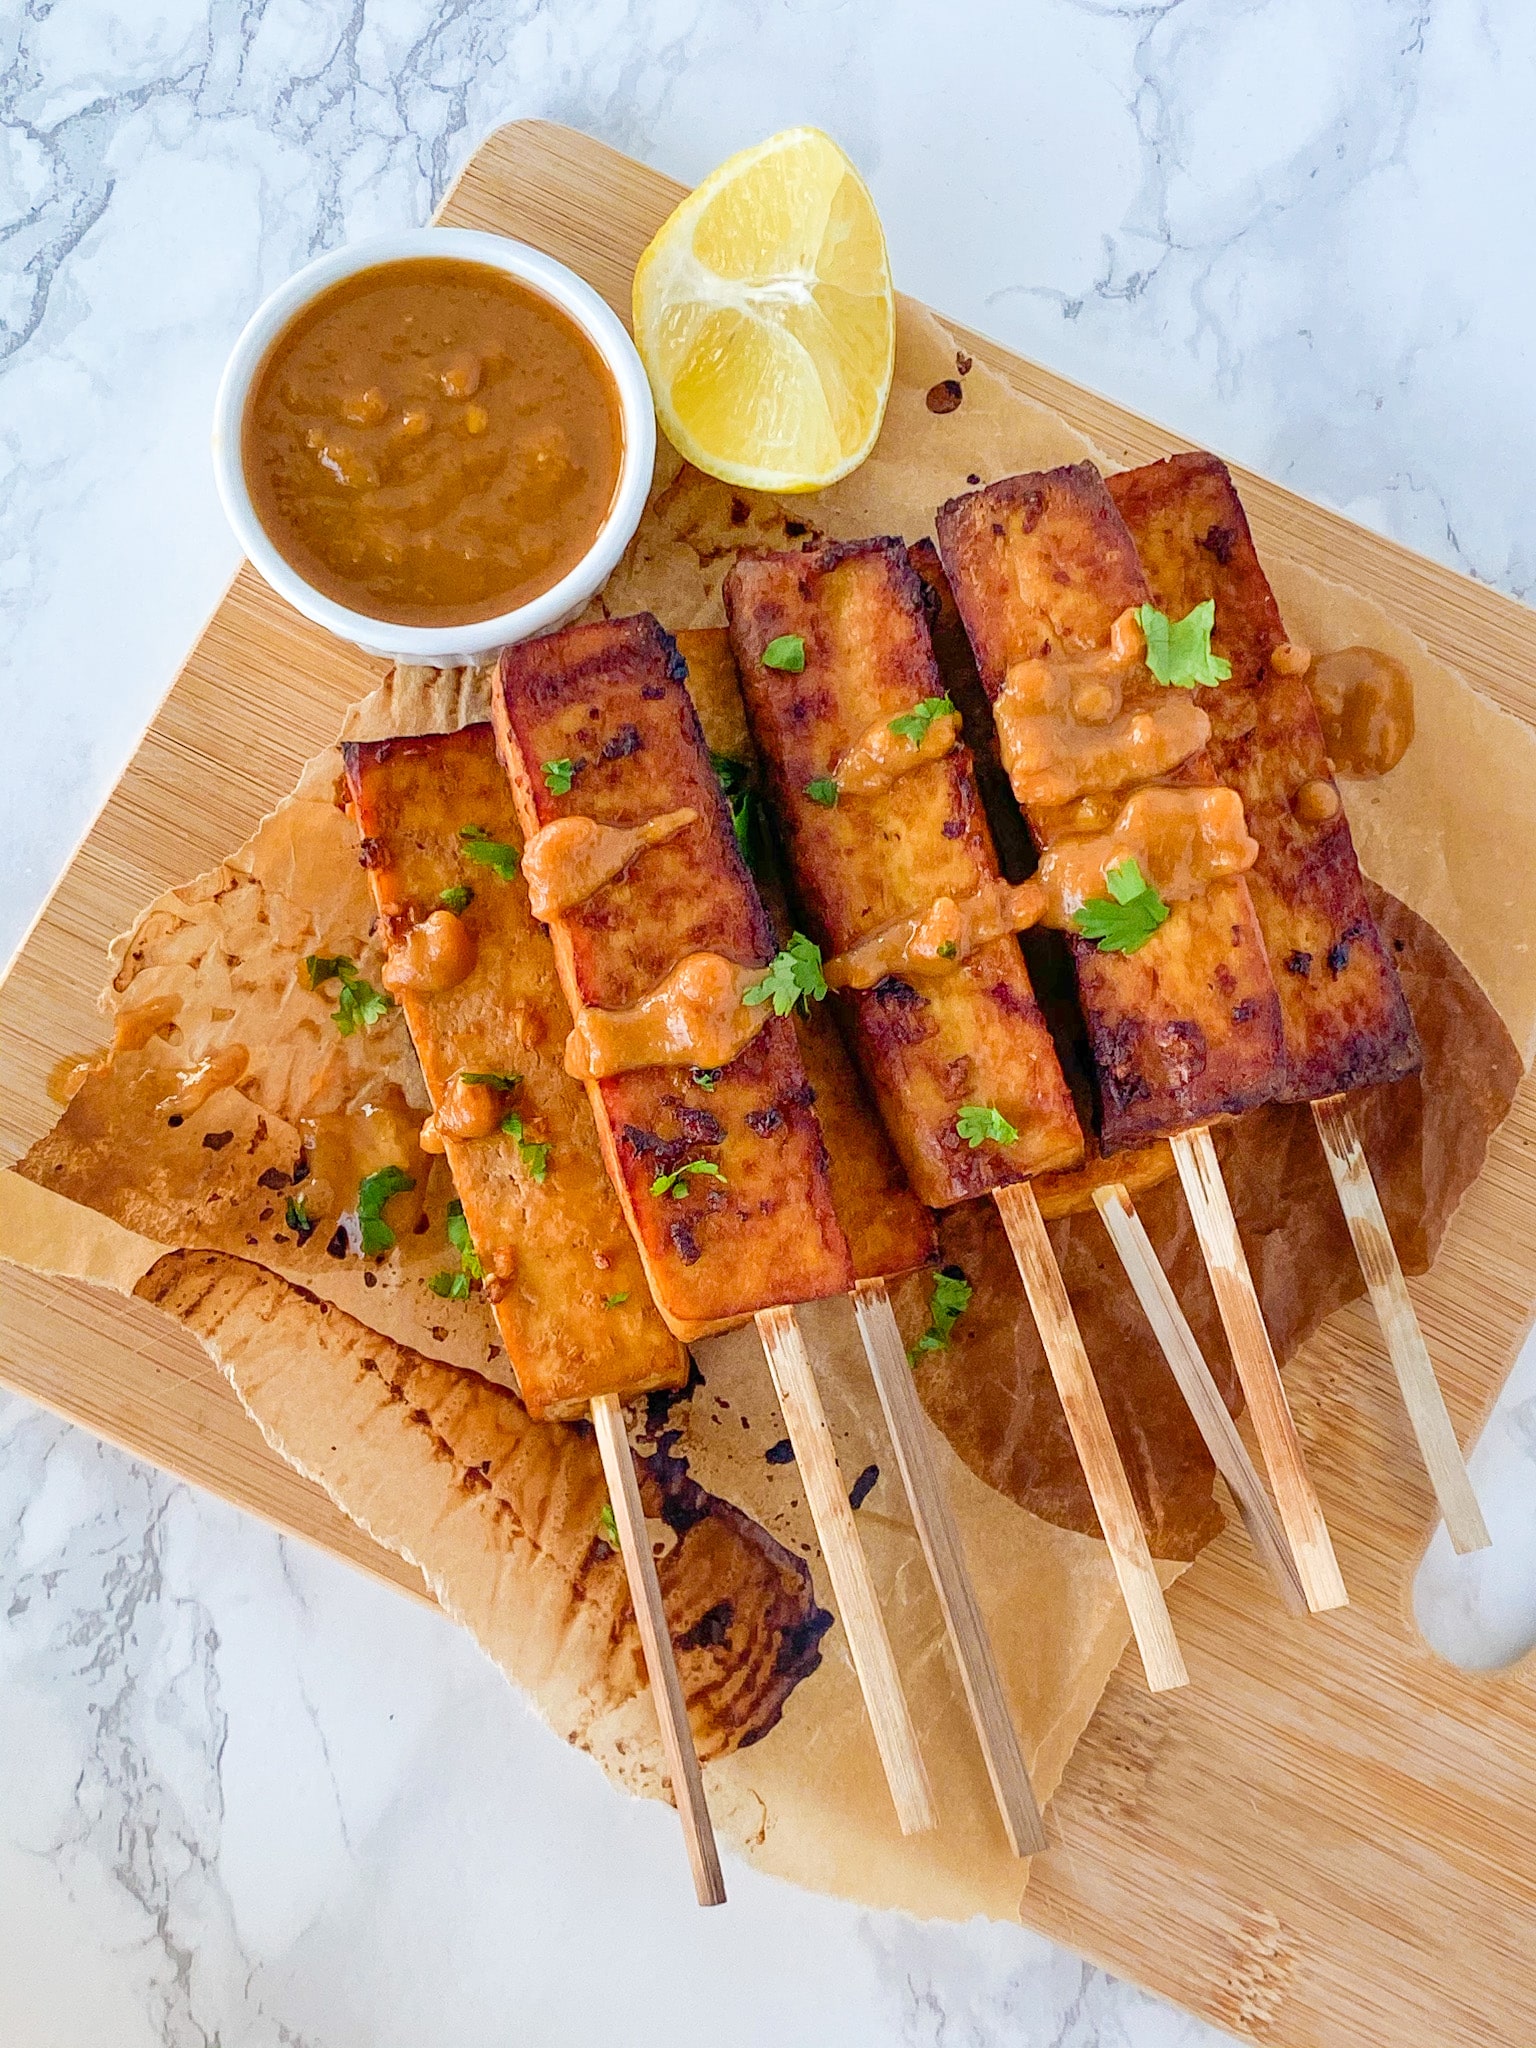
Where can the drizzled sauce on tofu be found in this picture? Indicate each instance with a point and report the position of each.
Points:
(1063, 730)
(881, 756)
(567, 862)
(1365, 702)
(1182, 839)
(432, 442)
(694, 1018)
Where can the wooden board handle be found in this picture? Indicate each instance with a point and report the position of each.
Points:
(1113, 1501)
(939, 1535)
(656, 1642)
(1186, 1361)
(1361, 1203)
(848, 1568)
(1252, 1353)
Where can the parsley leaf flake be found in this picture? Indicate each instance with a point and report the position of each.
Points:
(978, 1122)
(786, 652)
(913, 725)
(1123, 921)
(486, 852)
(676, 1184)
(559, 775)
(823, 790)
(794, 976)
(457, 899)
(950, 1299)
(374, 1191)
(534, 1156)
(1179, 652)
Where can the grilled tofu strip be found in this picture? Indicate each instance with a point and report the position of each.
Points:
(1187, 1027)
(934, 1044)
(562, 1274)
(1345, 1018)
(889, 1231)
(595, 722)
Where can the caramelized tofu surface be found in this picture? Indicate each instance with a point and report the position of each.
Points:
(1345, 1018)
(555, 1251)
(610, 699)
(1188, 1027)
(889, 1232)
(929, 1046)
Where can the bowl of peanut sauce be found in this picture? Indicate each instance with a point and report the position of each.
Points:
(434, 443)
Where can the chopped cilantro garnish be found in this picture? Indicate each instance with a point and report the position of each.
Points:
(736, 781)
(375, 1190)
(559, 775)
(950, 1299)
(615, 1300)
(457, 899)
(705, 1078)
(359, 1004)
(949, 950)
(534, 1157)
(978, 1121)
(451, 1286)
(1123, 921)
(462, 1242)
(1179, 653)
(487, 852)
(795, 976)
(676, 1184)
(913, 725)
(822, 789)
(505, 1082)
(607, 1527)
(787, 652)
(297, 1217)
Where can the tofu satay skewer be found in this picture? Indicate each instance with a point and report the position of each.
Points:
(1111, 771)
(1100, 1182)
(694, 1074)
(889, 1233)
(882, 823)
(542, 1233)
(1345, 1019)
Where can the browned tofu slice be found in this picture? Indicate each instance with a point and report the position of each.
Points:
(1188, 1027)
(561, 1271)
(1069, 1190)
(610, 700)
(889, 1232)
(933, 1045)
(1345, 1018)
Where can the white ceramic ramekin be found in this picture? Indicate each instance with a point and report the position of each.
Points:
(442, 646)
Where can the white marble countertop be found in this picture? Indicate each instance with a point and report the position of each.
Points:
(246, 1795)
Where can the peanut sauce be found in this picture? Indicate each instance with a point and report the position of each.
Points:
(568, 861)
(432, 442)
(132, 1029)
(468, 1109)
(1365, 702)
(434, 956)
(879, 757)
(1182, 840)
(197, 1084)
(1063, 732)
(694, 1018)
(343, 1148)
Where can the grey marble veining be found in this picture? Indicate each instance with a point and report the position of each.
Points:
(245, 1795)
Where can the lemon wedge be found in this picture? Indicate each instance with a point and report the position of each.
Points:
(765, 319)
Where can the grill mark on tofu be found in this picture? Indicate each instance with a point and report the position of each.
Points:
(975, 1035)
(1345, 1018)
(1188, 1027)
(767, 1234)
(410, 797)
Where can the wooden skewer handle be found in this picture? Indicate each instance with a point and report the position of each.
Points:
(1252, 1353)
(848, 1568)
(1186, 1361)
(939, 1535)
(1361, 1203)
(1115, 1505)
(656, 1642)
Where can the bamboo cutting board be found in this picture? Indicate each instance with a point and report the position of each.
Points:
(1330, 1838)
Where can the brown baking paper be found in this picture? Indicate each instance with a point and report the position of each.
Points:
(386, 1396)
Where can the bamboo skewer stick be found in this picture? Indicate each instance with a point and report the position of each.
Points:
(1432, 1426)
(939, 1535)
(1119, 1518)
(1252, 1353)
(1160, 1306)
(656, 1642)
(848, 1568)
